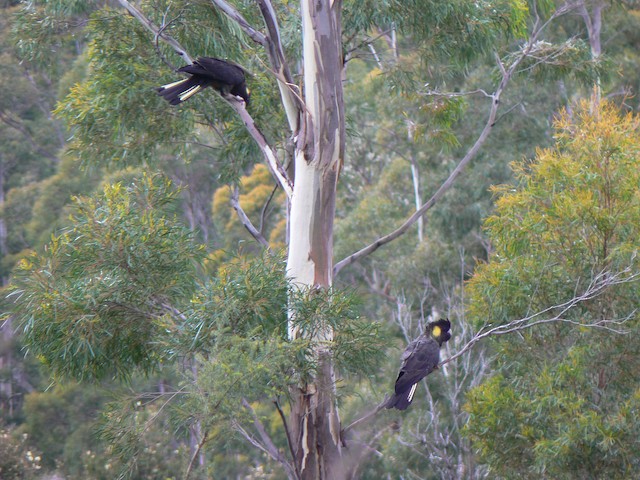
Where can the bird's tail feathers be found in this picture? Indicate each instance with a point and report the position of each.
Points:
(178, 92)
(401, 400)
(187, 94)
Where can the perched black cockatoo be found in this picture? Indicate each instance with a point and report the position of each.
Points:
(419, 359)
(206, 72)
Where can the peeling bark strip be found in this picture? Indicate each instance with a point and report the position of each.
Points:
(322, 45)
(316, 432)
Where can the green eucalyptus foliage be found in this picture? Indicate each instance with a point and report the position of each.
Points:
(357, 345)
(121, 290)
(48, 34)
(247, 297)
(114, 112)
(95, 302)
(461, 30)
(563, 402)
(135, 429)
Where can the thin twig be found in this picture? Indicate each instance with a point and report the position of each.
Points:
(263, 212)
(268, 445)
(289, 440)
(364, 418)
(195, 455)
(599, 283)
(153, 28)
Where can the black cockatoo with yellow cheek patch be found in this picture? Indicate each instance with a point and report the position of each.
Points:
(420, 358)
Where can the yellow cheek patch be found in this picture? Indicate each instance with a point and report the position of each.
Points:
(436, 331)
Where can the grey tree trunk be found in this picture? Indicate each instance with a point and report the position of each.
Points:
(315, 423)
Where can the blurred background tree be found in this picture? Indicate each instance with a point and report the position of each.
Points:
(564, 392)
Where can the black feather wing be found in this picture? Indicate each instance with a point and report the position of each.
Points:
(216, 70)
(419, 359)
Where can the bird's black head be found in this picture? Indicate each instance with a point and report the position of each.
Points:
(242, 91)
(439, 330)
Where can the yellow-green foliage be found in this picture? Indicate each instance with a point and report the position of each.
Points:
(256, 190)
(575, 211)
(562, 404)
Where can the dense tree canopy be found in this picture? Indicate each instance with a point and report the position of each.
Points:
(564, 391)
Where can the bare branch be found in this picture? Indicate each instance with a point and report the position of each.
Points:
(195, 455)
(275, 167)
(249, 438)
(265, 208)
(363, 418)
(436, 93)
(596, 287)
(291, 101)
(267, 445)
(255, 233)
(507, 74)
(289, 440)
(448, 183)
(235, 15)
(157, 31)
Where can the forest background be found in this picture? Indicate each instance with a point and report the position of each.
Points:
(147, 314)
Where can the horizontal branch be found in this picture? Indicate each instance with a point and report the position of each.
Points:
(597, 286)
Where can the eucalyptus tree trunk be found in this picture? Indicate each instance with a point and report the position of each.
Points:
(315, 423)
